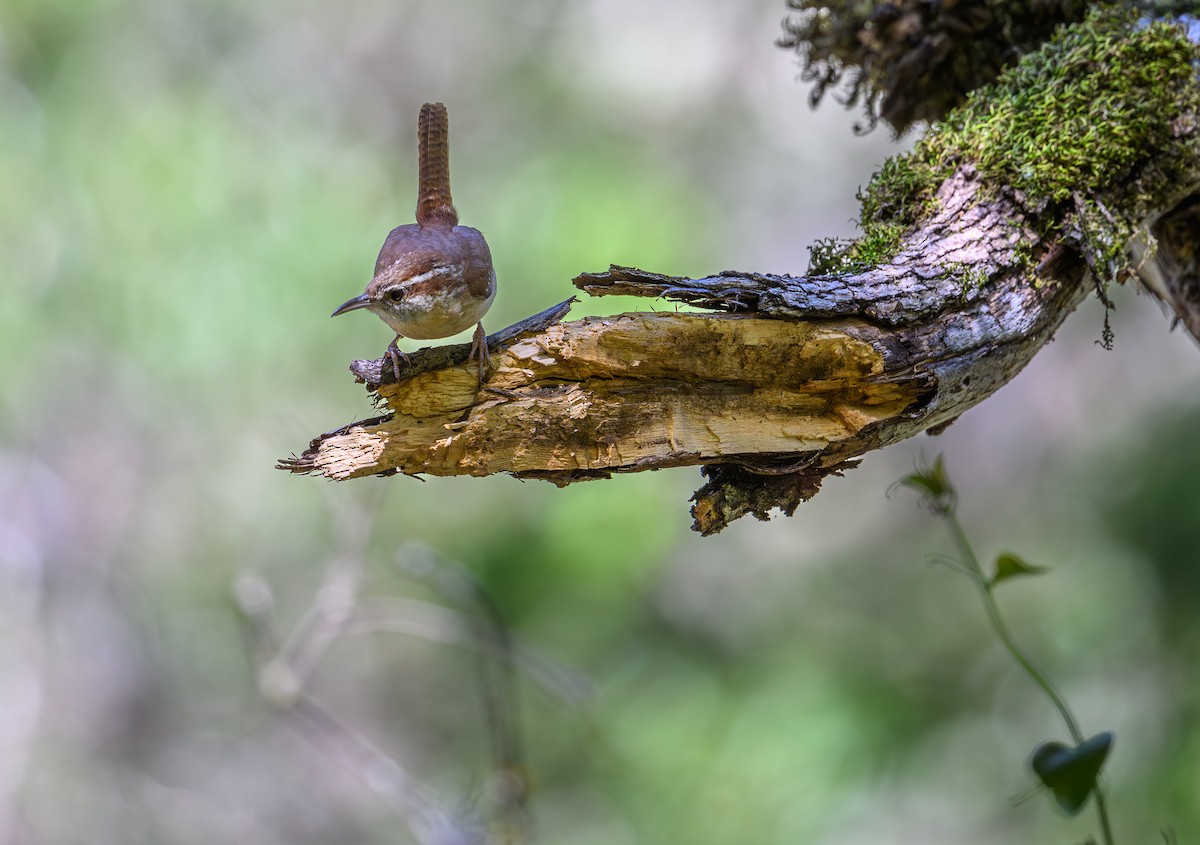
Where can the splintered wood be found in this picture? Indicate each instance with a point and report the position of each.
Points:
(629, 392)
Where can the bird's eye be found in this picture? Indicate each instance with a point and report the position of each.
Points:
(396, 294)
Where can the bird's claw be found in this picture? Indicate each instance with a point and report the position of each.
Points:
(479, 348)
(395, 354)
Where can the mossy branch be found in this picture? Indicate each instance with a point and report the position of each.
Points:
(975, 249)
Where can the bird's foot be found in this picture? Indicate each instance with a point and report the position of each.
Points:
(479, 348)
(395, 354)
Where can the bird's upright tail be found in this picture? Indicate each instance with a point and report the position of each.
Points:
(434, 205)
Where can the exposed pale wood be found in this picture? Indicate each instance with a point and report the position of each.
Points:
(634, 391)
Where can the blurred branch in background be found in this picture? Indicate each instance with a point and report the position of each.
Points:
(336, 611)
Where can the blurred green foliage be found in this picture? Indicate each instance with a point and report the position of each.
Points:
(189, 188)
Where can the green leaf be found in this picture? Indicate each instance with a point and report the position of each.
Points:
(1070, 773)
(1009, 565)
(933, 483)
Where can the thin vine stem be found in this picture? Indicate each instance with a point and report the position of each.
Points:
(986, 585)
(1001, 628)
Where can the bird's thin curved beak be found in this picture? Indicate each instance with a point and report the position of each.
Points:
(360, 301)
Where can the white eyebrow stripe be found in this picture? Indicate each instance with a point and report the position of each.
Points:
(426, 276)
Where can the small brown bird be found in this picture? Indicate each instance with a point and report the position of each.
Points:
(433, 278)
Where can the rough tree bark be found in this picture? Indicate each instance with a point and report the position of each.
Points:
(794, 378)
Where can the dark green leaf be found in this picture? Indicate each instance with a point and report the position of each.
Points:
(1070, 773)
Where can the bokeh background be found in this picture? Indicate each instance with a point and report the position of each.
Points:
(187, 189)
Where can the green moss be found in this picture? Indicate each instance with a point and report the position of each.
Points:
(1087, 128)
(901, 191)
(896, 197)
(837, 256)
(1079, 115)
(971, 276)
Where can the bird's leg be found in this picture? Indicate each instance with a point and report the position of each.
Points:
(479, 346)
(394, 354)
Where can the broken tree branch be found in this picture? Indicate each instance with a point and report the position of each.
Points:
(803, 375)
(798, 376)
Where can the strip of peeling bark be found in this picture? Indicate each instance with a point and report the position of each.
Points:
(800, 376)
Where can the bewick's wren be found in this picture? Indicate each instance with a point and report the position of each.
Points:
(433, 278)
